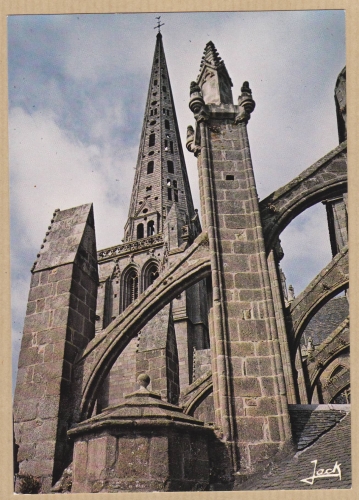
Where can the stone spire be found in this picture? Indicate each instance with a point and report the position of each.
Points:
(161, 181)
(213, 78)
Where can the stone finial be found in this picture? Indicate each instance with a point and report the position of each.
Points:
(143, 381)
(213, 79)
(245, 103)
(310, 347)
(194, 88)
(291, 295)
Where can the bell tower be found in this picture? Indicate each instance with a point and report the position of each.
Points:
(161, 181)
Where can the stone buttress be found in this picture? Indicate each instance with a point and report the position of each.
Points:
(59, 323)
(248, 382)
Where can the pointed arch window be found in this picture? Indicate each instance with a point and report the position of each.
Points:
(150, 228)
(150, 167)
(170, 167)
(152, 140)
(151, 274)
(167, 124)
(130, 287)
(140, 231)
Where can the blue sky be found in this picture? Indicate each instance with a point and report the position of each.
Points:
(77, 91)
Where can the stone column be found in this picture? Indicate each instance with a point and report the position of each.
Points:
(60, 321)
(248, 382)
(282, 331)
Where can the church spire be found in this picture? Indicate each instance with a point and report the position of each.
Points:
(161, 183)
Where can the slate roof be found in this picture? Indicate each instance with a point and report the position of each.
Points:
(328, 445)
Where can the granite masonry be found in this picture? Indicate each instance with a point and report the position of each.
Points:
(179, 360)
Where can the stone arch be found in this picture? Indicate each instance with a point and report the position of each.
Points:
(336, 385)
(197, 393)
(150, 271)
(129, 285)
(325, 178)
(151, 228)
(336, 344)
(140, 231)
(100, 354)
(333, 279)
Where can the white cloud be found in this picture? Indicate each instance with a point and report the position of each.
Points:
(79, 143)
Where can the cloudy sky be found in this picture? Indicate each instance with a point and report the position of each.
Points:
(77, 91)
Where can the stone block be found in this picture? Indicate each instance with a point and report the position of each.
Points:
(36, 322)
(45, 450)
(159, 458)
(25, 412)
(247, 280)
(236, 221)
(260, 366)
(80, 465)
(246, 386)
(60, 273)
(26, 452)
(268, 385)
(265, 406)
(273, 424)
(250, 430)
(41, 291)
(96, 457)
(31, 308)
(252, 330)
(262, 452)
(57, 301)
(133, 457)
(37, 468)
(48, 407)
(242, 349)
(63, 286)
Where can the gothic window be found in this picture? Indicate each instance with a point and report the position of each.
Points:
(151, 113)
(171, 146)
(168, 112)
(169, 193)
(175, 184)
(164, 111)
(140, 232)
(167, 124)
(150, 228)
(175, 192)
(155, 111)
(170, 168)
(166, 143)
(155, 82)
(131, 287)
(150, 166)
(151, 273)
(152, 140)
(164, 88)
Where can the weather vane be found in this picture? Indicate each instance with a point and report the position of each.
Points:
(159, 24)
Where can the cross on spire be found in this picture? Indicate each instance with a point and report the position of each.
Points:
(159, 24)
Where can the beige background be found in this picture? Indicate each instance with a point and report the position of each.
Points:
(8, 7)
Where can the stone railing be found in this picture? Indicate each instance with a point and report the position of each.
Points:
(129, 247)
